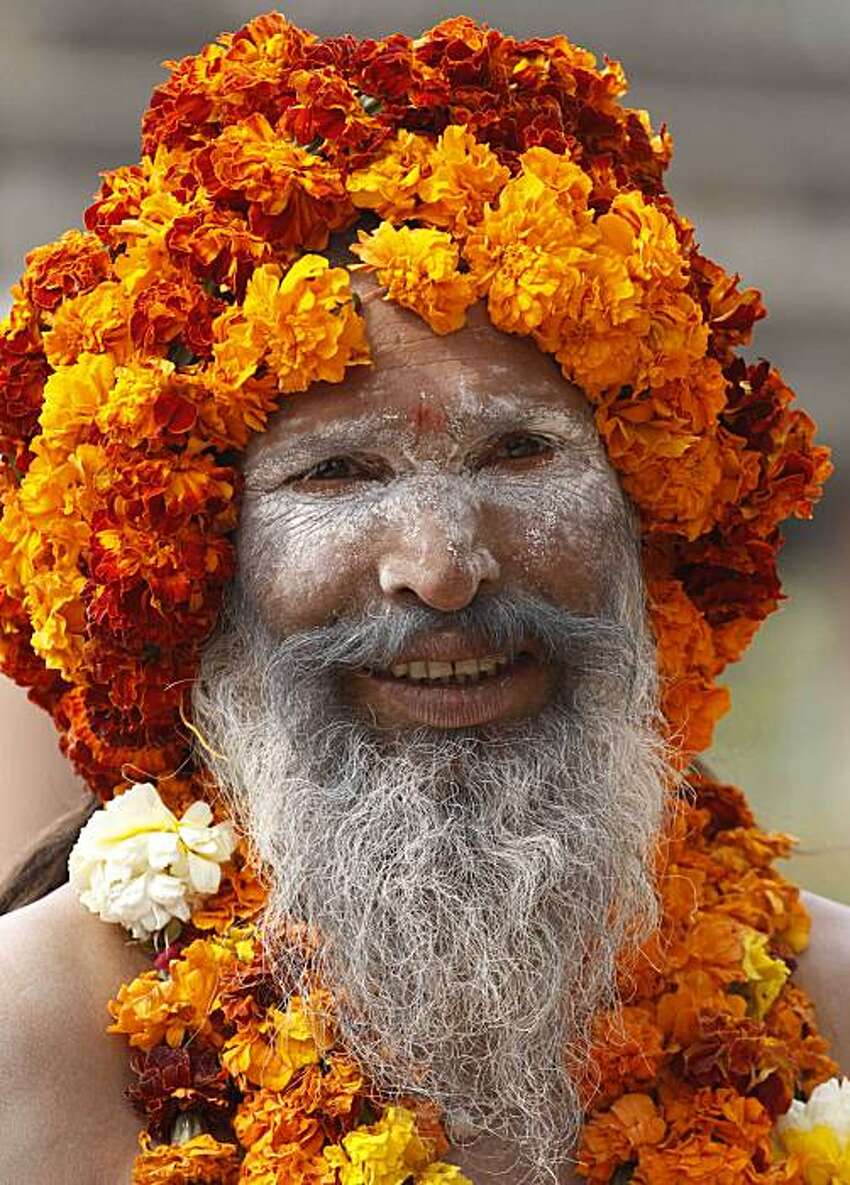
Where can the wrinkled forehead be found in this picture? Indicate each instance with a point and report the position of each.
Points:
(454, 388)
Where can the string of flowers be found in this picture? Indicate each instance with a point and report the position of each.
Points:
(139, 357)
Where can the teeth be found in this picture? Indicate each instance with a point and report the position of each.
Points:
(439, 670)
(464, 670)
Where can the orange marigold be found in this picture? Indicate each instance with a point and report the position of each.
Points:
(419, 269)
(268, 1052)
(201, 1161)
(152, 1009)
(613, 1137)
(299, 324)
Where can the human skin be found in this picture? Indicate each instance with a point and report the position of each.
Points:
(448, 531)
(453, 467)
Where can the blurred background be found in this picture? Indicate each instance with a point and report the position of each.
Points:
(756, 95)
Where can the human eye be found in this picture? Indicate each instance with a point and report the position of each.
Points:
(519, 450)
(336, 473)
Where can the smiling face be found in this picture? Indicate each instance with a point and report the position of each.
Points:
(453, 468)
(431, 702)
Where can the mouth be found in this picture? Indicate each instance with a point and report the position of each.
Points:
(453, 693)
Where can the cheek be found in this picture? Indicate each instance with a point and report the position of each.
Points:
(302, 563)
(561, 533)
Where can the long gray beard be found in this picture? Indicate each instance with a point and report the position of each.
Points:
(473, 888)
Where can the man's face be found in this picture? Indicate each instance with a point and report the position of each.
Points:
(456, 467)
(473, 842)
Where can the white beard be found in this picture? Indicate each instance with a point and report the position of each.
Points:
(473, 889)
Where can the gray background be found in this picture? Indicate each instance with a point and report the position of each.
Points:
(755, 93)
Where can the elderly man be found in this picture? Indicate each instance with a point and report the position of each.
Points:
(431, 703)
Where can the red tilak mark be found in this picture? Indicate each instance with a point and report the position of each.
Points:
(428, 418)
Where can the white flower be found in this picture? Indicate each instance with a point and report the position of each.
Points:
(827, 1106)
(136, 863)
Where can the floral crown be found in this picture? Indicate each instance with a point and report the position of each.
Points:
(141, 354)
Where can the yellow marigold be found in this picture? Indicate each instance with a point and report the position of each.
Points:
(389, 184)
(146, 257)
(664, 321)
(150, 1009)
(463, 175)
(387, 1153)
(127, 410)
(765, 975)
(200, 1161)
(301, 324)
(72, 396)
(268, 1052)
(48, 517)
(441, 1173)
(419, 269)
(95, 323)
(560, 174)
(228, 415)
(54, 604)
(53, 503)
(532, 251)
(606, 297)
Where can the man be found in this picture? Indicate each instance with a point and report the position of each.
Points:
(432, 705)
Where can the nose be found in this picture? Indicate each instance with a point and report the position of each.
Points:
(444, 567)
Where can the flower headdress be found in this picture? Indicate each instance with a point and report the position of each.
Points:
(141, 354)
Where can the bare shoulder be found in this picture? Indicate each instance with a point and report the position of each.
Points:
(63, 1075)
(823, 971)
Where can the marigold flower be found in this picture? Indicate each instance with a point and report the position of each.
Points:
(23, 372)
(386, 1153)
(610, 1138)
(71, 266)
(293, 196)
(268, 1052)
(300, 324)
(765, 974)
(150, 1009)
(419, 269)
(96, 322)
(389, 184)
(203, 1160)
(461, 176)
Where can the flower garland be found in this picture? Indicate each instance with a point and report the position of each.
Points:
(139, 357)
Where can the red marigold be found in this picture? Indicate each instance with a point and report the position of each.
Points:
(23, 372)
(325, 107)
(74, 264)
(294, 197)
(218, 247)
(166, 310)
